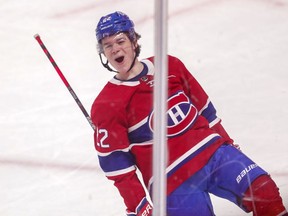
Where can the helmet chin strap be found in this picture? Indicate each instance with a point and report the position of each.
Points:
(133, 63)
(106, 65)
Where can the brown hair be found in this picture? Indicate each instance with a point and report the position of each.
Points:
(138, 48)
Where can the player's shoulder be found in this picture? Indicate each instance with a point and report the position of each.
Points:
(107, 102)
(115, 87)
(174, 63)
(171, 59)
(115, 92)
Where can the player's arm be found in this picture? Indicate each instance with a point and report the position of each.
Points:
(115, 158)
(119, 166)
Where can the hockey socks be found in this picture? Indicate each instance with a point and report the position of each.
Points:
(263, 198)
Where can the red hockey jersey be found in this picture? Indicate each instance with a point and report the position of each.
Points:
(123, 115)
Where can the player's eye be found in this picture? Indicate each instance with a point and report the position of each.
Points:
(107, 46)
(121, 41)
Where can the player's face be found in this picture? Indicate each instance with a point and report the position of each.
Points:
(119, 51)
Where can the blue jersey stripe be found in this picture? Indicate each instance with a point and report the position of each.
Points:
(209, 113)
(117, 160)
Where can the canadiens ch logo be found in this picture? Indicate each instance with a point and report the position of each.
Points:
(181, 114)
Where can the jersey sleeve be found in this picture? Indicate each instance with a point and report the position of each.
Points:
(112, 145)
(201, 100)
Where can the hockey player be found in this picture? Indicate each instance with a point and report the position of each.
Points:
(201, 158)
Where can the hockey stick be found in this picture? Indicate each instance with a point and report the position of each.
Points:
(37, 37)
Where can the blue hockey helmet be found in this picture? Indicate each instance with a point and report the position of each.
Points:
(115, 23)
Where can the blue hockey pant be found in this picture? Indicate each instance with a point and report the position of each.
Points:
(228, 175)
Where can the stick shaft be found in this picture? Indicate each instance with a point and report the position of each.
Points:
(61, 75)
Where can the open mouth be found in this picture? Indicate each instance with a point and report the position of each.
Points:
(119, 59)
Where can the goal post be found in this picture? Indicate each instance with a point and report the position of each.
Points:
(160, 107)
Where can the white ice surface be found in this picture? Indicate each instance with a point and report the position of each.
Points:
(237, 49)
